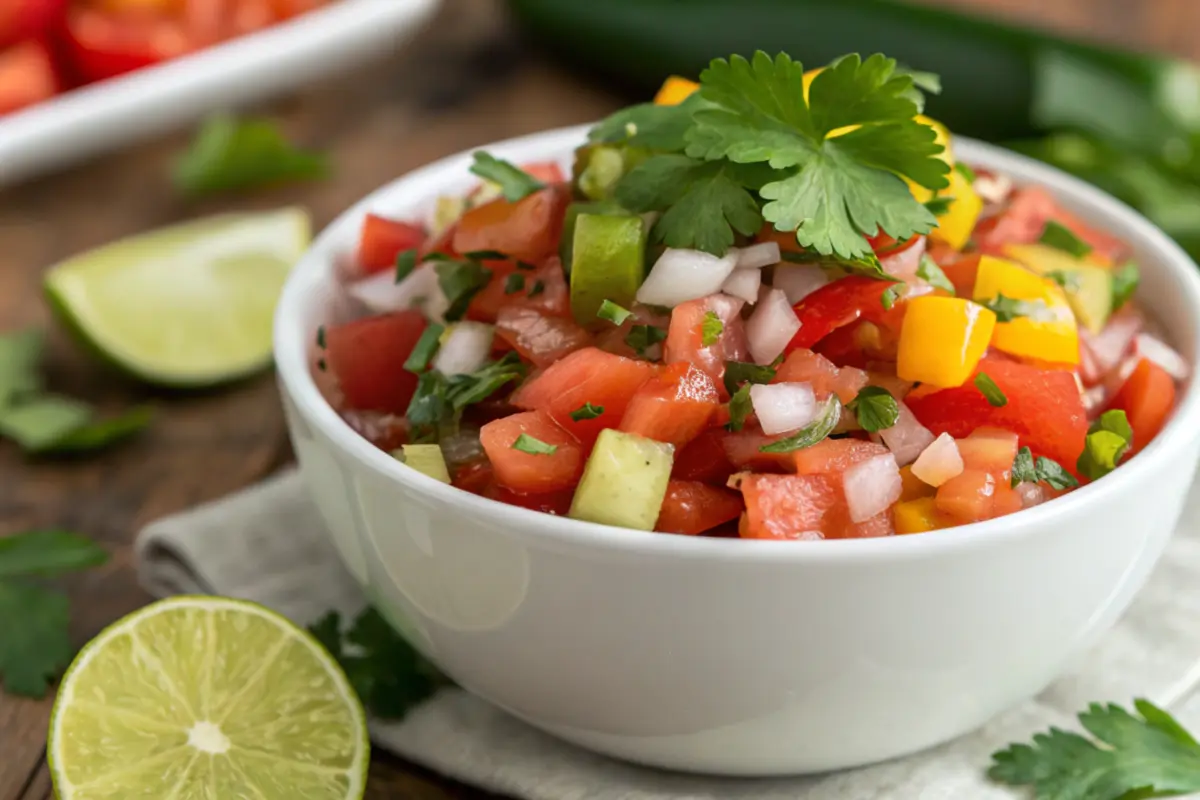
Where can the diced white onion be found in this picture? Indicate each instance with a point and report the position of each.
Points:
(771, 326)
(992, 188)
(872, 486)
(783, 407)
(465, 349)
(939, 462)
(757, 256)
(1094, 399)
(1031, 494)
(682, 275)
(1110, 345)
(798, 281)
(1116, 379)
(381, 294)
(743, 284)
(903, 265)
(1147, 346)
(907, 438)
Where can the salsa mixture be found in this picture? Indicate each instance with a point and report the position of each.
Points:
(769, 305)
(50, 46)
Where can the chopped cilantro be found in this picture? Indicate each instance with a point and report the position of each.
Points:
(1007, 309)
(814, 432)
(867, 265)
(406, 262)
(525, 265)
(648, 125)
(1125, 281)
(711, 329)
(990, 390)
(460, 281)
(613, 313)
(939, 206)
(424, 349)
(739, 408)
(642, 337)
(929, 271)
(1067, 280)
(1023, 469)
(321, 336)
(514, 182)
(835, 190)
(439, 401)
(875, 408)
(739, 372)
(586, 411)
(229, 154)
(537, 288)
(1108, 439)
(1042, 470)
(1060, 237)
(528, 444)
(321, 364)
(889, 297)
(514, 283)
(486, 255)
(966, 171)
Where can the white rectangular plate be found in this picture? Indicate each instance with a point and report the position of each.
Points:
(91, 120)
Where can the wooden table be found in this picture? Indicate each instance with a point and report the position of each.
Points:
(465, 83)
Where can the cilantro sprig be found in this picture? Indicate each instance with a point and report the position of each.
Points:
(875, 408)
(230, 154)
(513, 181)
(1027, 469)
(437, 405)
(1060, 237)
(814, 432)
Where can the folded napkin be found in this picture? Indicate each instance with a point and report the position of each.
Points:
(267, 544)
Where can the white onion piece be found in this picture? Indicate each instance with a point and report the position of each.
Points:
(743, 284)
(771, 326)
(903, 265)
(1094, 400)
(992, 188)
(1147, 346)
(907, 438)
(872, 486)
(1116, 379)
(799, 280)
(465, 349)
(939, 462)
(1110, 345)
(682, 275)
(783, 407)
(1031, 494)
(381, 294)
(757, 256)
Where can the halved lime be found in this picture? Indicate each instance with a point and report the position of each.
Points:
(188, 305)
(206, 698)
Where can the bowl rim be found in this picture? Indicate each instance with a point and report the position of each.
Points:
(291, 357)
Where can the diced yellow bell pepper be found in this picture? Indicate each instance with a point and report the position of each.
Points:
(674, 91)
(912, 487)
(942, 340)
(1052, 336)
(955, 226)
(918, 516)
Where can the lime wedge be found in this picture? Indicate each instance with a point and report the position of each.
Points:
(188, 305)
(206, 698)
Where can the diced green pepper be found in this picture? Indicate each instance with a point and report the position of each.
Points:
(624, 481)
(426, 459)
(608, 261)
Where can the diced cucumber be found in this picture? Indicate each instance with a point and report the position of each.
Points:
(624, 481)
(573, 211)
(608, 262)
(426, 459)
(1087, 286)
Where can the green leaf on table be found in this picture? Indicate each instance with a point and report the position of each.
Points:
(35, 646)
(1124, 757)
(233, 154)
(104, 432)
(20, 353)
(53, 424)
(389, 676)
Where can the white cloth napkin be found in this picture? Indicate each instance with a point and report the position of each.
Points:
(267, 544)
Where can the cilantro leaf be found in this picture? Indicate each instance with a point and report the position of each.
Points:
(586, 411)
(534, 446)
(988, 388)
(1044, 470)
(711, 329)
(703, 203)
(1067, 280)
(867, 264)
(52, 424)
(813, 433)
(232, 154)
(1060, 237)
(929, 271)
(739, 408)
(1147, 754)
(101, 433)
(513, 181)
(1125, 281)
(966, 171)
(514, 283)
(642, 337)
(1108, 439)
(739, 372)
(35, 645)
(843, 186)
(389, 676)
(424, 349)
(613, 313)
(459, 282)
(875, 408)
(1023, 469)
(406, 262)
(1007, 309)
(939, 206)
(20, 353)
(649, 125)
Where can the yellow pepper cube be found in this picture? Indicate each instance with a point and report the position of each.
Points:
(1050, 334)
(912, 487)
(674, 91)
(955, 226)
(918, 516)
(942, 340)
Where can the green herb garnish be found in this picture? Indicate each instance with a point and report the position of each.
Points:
(1026, 469)
(711, 329)
(643, 337)
(514, 182)
(586, 411)
(613, 313)
(1007, 309)
(739, 372)
(875, 408)
(929, 271)
(514, 283)
(990, 390)
(1067, 280)
(538, 288)
(528, 444)
(460, 281)
(1125, 279)
(939, 206)
(486, 255)
(321, 336)
(425, 347)
(889, 297)
(406, 262)
(1108, 439)
(814, 432)
(1060, 237)
(231, 154)
(739, 408)
(966, 171)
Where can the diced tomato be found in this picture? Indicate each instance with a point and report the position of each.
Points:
(591, 376)
(989, 449)
(975, 495)
(285, 9)
(383, 240)
(548, 172)
(26, 76)
(790, 506)
(367, 357)
(544, 289)
(27, 20)
(703, 459)
(882, 524)
(744, 450)
(1146, 397)
(1044, 409)
(836, 305)
(961, 273)
(1025, 218)
(805, 366)
(532, 472)
(100, 46)
(690, 507)
(685, 337)
(475, 477)
(527, 230)
(558, 503)
(538, 338)
(672, 407)
(442, 243)
(832, 457)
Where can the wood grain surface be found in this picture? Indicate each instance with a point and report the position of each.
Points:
(466, 82)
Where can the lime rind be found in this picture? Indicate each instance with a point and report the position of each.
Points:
(187, 306)
(171, 764)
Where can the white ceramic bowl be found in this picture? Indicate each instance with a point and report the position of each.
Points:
(726, 656)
